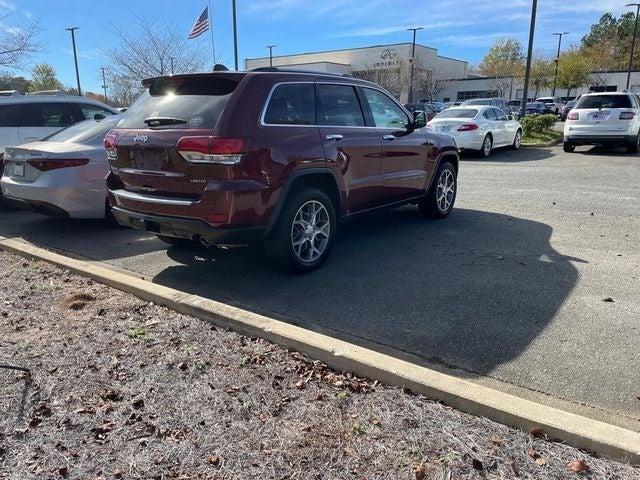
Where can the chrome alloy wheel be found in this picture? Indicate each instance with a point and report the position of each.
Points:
(310, 231)
(446, 190)
(518, 140)
(486, 146)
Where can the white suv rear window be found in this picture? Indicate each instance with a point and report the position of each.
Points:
(604, 101)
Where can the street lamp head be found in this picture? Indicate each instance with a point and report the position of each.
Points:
(70, 29)
(633, 5)
(414, 29)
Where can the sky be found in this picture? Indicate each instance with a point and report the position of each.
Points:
(462, 29)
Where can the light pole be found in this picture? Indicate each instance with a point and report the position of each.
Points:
(235, 35)
(555, 78)
(271, 47)
(75, 56)
(104, 84)
(413, 60)
(633, 42)
(527, 73)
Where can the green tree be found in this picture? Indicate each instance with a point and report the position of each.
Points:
(9, 82)
(44, 77)
(503, 61)
(542, 72)
(573, 70)
(608, 42)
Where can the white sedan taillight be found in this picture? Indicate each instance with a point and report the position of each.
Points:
(225, 151)
(467, 127)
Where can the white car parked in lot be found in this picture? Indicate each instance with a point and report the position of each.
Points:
(611, 118)
(63, 175)
(26, 118)
(553, 104)
(479, 127)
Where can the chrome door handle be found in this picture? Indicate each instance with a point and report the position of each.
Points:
(334, 136)
(389, 138)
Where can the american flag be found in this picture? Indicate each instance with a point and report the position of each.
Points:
(201, 25)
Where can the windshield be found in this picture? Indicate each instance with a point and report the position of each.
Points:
(479, 101)
(604, 101)
(191, 102)
(458, 113)
(84, 132)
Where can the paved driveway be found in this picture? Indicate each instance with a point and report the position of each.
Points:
(510, 287)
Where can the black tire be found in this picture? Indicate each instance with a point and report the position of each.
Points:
(279, 244)
(517, 140)
(483, 151)
(568, 147)
(429, 205)
(179, 242)
(633, 147)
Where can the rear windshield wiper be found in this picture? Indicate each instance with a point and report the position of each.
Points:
(157, 121)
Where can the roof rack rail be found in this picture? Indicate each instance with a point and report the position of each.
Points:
(296, 70)
(58, 93)
(10, 93)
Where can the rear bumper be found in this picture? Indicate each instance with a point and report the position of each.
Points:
(188, 228)
(599, 139)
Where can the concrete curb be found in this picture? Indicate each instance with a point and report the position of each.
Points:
(581, 432)
(552, 143)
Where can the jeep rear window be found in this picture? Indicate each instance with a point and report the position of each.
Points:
(604, 101)
(199, 101)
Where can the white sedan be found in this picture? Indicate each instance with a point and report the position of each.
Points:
(479, 127)
(64, 174)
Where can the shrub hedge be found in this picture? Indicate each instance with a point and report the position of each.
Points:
(533, 124)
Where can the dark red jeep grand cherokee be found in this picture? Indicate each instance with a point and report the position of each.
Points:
(279, 156)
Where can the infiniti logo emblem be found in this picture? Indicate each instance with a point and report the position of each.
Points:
(140, 138)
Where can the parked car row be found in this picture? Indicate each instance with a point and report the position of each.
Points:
(276, 156)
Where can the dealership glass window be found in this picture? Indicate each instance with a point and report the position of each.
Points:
(339, 106)
(292, 104)
(386, 113)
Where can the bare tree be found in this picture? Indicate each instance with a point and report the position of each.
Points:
(430, 83)
(393, 79)
(18, 42)
(150, 49)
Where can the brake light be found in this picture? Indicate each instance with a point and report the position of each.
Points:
(226, 151)
(110, 145)
(573, 116)
(467, 127)
(627, 115)
(48, 165)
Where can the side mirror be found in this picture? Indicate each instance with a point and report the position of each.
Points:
(510, 117)
(419, 119)
(99, 116)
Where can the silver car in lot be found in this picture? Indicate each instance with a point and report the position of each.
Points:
(62, 175)
(479, 127)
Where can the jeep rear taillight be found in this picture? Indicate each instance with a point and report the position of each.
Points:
(627, 115)
(110, 145)
(573, 116)
(225, 151)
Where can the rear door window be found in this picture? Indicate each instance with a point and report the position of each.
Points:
(192, 102)
(500, 115)
(52, 114)
(339, 106)
(489, 114)
(292, 104)
(9, 115)
(604, 101)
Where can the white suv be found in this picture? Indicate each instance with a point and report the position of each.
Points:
(31, 117)
(611, 118)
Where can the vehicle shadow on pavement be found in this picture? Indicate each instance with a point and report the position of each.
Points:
(472, 291)
(506, 155)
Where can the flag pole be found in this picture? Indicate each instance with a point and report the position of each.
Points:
(213, 45)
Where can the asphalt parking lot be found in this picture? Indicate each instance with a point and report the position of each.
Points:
(510, 289)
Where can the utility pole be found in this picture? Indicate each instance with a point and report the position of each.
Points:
(555, 78)
(171, 58)
(633, 42)
(235, 35)
(413, 60)
(271, 47)
(104, 84)
(75, 55)
(527, 73)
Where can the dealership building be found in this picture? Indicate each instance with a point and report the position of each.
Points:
(372, 62)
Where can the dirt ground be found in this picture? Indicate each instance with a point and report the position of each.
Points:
(119, 388)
